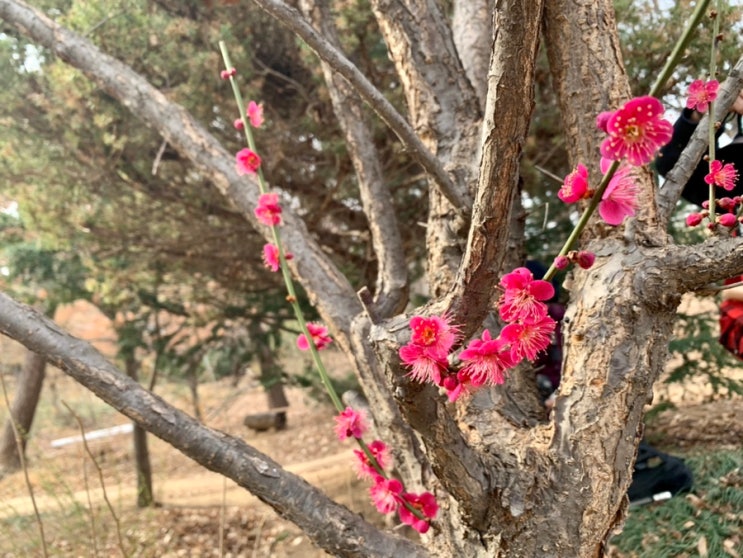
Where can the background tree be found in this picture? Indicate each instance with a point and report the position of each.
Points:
(501, 469)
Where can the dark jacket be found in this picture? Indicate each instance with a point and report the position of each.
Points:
(696, 189)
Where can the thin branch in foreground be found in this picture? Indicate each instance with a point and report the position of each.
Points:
(22, 459)
(100, 479)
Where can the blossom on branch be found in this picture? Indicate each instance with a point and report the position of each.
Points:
(523, 296)
(319, 335)
(363, 466)
(575, 186)
(528, 339)
(486, 360)
(425, 503)
(271, 257)
(636, 131)
(385, 494)
(725, 176)
(427, 352)
(247, 161)
(701, 94)
(268, 211)
(620, 197)
(350, 424)
(255, 114)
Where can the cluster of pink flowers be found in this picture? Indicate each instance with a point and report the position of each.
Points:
(728, 216)
(387, 494)
(485, 360)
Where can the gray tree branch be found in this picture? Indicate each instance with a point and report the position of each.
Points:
(330, 525)
(327, 288)
(331, 55)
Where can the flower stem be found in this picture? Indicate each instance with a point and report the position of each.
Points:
(711, 115)
(592, 205)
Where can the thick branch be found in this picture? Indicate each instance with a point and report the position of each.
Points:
(506, 124)
(330, 525)
(690, 157)
(327, 52)
(327, 287)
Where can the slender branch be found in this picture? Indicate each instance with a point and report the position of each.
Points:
(378, 102)
(330, 525)
(22, 458)
(111, 510)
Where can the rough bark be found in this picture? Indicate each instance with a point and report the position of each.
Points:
(142, 465)
(331, 526)
(22, 411)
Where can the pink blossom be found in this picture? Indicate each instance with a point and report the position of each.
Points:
(693, 219)
(350, 423)
(727, 220)
(380, 452)
(255, 114)
(528, 339)
(636, 131)
(603, 119)
(423, 366)
(575, 186)
(585, 259)
(561, 262)
(228, 73)
(701, 94)
(725, 176)
(434, 332)
(523, 295)
(271, 257)
(385, 494)
(424, 503)
(486, 360)
(620, 197)
(268, 211)
(247, 161)
(319, 336)
(728, 204)
(239, 124)
(427, 352)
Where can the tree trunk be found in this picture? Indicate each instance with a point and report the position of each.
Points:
(141, 452)
(270, 374)
(22, 411)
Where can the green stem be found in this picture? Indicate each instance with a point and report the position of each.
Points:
(679, 48)
(583, 221)
(711, 115)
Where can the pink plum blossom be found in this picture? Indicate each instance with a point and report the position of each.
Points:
(350, 423)
(523, 295)
(238, 124)
(268, 211)
(603, 119)
(423, 366)
(427, 352)
(561, 262)
(725, 176)
(386, 494)
(363, 466)
(636, 131)
(693, 219)
(727, 220)
(701, 94)
(424, 503)
(486, 360)
(585, 259)
(247, 161)
(255, 114)
(620, 196)
(575, 186)
(319, 334)
(528, 339)
(271, 257)
(228, 73)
